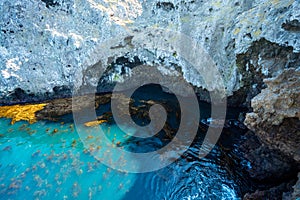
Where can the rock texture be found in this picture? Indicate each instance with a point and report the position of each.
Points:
(44, 43)
(275, 120)
(265, 165)
(263, 59)
(296, 189)
(276, 113)
(274, 193)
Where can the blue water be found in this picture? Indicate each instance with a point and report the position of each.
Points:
(37, 162)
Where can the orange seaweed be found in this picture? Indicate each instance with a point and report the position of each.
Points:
(21, 112)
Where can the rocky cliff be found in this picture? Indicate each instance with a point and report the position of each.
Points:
(276, 113)
(276, 122)
(47, 45)
(44, 43)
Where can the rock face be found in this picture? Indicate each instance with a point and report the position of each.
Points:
(273, 171)
(263, 60)
(276, 113)
(276, 122)
(43, 44)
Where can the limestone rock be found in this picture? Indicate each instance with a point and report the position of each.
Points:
(44, 43)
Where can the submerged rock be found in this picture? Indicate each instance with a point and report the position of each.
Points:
(94, 123)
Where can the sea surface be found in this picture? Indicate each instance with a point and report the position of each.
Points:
(48, 160)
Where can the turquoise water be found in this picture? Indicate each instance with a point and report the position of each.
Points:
(48, 160)
(37, 163)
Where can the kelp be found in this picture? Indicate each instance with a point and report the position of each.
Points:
(94, 123)
(21, 112)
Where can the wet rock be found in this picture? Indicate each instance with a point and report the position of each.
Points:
(59, 107)
(296, 189)
(279, 192)
(266, 165)
(226, 124)
(272, 172)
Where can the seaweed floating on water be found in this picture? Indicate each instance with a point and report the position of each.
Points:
(95, 123)
(21, 112)
(54, 131)
(74, 143)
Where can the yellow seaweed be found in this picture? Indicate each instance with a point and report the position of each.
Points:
(21, 112)
(94, 123)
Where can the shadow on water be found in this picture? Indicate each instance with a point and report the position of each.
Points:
(48, 159)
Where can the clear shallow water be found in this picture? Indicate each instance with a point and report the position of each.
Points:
(37, 163)
(46, 165)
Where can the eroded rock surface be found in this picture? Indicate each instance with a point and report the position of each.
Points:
(276, 113)
(44, 43)
(275, 155)
(262, 60)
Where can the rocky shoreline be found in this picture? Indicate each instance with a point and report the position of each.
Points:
(46, 46)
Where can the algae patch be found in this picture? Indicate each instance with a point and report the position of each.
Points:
(95, 123)
(21, 112)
